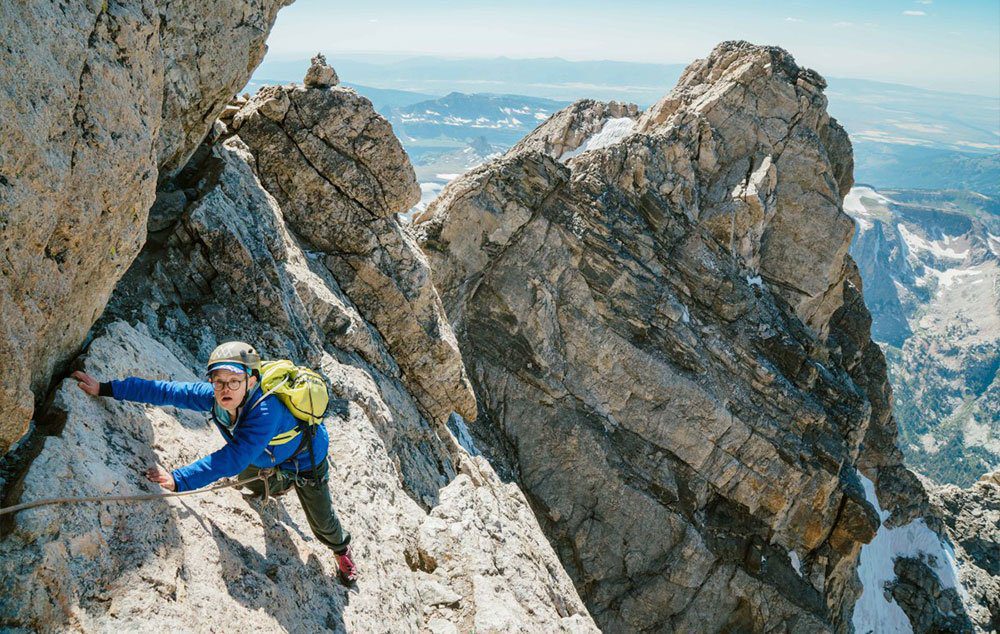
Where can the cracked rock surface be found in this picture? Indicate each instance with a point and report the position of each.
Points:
(477, 561)
(668, 341)
(341, 175)
(970, 518)
(442, 544)
(569, 128)
(665, 343)
(101, 99)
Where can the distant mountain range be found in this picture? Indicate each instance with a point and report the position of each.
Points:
(550, 78)
(501, 120)
(871, 111)
(903, 137)
(896, 166)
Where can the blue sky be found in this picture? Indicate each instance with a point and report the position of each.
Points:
(944, 44)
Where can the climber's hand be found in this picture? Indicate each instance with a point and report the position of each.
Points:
(161, 477)
(87, 383)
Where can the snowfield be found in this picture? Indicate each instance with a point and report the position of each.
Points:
(874, 612)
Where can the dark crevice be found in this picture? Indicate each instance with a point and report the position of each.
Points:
(49, 420)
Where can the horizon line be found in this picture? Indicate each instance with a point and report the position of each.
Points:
(407, 55)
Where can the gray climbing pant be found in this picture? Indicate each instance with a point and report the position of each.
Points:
(313, 489)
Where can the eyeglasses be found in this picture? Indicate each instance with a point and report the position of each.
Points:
(232, 384)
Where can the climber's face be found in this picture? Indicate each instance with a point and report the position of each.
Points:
(231, 387)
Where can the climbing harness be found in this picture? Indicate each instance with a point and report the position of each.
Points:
(263, 474)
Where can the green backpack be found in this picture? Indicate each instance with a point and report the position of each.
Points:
(301, 390)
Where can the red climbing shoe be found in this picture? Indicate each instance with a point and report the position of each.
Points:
(346, 569)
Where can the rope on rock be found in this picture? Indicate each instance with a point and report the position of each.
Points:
(262, 475)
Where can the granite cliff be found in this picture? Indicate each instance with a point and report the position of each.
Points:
(101, 100)
(672, 354)
(284, 235)
(650, 317)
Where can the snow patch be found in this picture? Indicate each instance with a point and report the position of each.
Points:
(853, 204)
(865, 225)
(994, 243)
(874, 612)
(611, 132)
(447, 177)
(939, 249)
(796, 563)
(755, 281)
(952, 276)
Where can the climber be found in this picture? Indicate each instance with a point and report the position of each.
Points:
(251, 425)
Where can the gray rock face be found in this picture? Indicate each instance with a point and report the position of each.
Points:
(971, 519)
(928, 606)
(100, 99)
(881, 257)
(669, 336)
(569, 128)
(211, 49)
(476, 562)
(340, 176)
(667, 339)
(320, 74)
(441, 543)
(770, 109)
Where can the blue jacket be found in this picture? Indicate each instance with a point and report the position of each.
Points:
(247, 441)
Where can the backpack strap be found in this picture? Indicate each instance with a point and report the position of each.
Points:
(269, 392)
(283, 437)
(280, 439)
(308, 435)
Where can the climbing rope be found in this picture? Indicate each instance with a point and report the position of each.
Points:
(262, 475)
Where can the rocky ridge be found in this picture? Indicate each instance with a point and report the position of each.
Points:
(971, 519)
(672, 354)
(686, 411)
(919, 583)
(565, 132)
(443, 545)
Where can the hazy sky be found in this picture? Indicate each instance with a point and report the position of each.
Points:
(945, 44)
